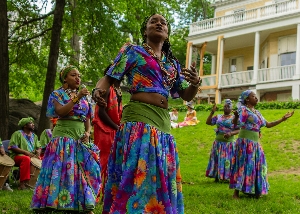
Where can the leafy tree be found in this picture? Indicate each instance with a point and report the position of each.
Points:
(52, 61)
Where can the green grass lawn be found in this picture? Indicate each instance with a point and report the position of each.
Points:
(202, 195)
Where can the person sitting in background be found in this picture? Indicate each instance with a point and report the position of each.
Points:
(46, 136)
(174, 117)
(6, 184)
(24, 144)
(191, 117)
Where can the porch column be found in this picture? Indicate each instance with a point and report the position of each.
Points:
(297, 72)
(256, 58)
(189, 54)
(213, 64)
(296, 91)
(218, 98)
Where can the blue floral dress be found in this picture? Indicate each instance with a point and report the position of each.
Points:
(70, 175)
(143, 169)
(220, 160)
(249, 172)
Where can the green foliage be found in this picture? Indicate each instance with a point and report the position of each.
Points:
(260, 106)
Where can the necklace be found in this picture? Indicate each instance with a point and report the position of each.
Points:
(119, 95)
(169, 76)
(118, 90)
(68, 91)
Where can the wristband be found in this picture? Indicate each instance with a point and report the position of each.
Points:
(75, 99)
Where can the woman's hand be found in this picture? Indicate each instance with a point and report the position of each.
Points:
(29, 154)
(228, 135)
(214, 108)
(85, 137)
(191, 75)
(2, 151)
(83, 92)
(287, 115)
(97, 97)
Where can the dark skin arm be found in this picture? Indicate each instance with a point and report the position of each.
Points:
(208, 120)
(103, 85)
(2, 151)
(21, 151)
(38, 152)
(284, 118)
(63, 110)
(192, 77)
(236, 117)
(103, 113)
(229, 134)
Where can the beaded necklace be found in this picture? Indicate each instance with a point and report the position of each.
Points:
(69, 91)
(119, 94)
(169, 77)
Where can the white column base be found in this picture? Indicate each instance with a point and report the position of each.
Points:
(296, 91)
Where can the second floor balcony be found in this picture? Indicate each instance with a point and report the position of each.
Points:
(245, 78)
(272, 11)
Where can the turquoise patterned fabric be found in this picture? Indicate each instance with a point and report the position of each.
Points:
(222, 152)
(249, 172)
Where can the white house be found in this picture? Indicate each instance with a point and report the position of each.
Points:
(254, 44)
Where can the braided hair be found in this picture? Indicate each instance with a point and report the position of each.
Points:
(166, 48)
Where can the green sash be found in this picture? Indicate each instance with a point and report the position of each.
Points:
(155, 116)
(220, 137)
(69, 128)
(251, 135)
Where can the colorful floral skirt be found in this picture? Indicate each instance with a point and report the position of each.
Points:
(220, 160)
(249, 171)
(143, 172)
(69, 178)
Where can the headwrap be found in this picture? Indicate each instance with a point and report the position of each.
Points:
(24, 121)
(242, 98)
(229, 102)
(190, 104)
(144, 26)
(63, 73)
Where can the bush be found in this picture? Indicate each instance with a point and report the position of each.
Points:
(259, 106)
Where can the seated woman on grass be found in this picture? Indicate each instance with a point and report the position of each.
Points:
(191, 117)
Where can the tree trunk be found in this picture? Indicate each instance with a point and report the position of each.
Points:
(52, 61)
(4, 71)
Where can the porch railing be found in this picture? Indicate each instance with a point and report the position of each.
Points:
(276, 74)
(236, 79)
(243, 17)
(208, 80)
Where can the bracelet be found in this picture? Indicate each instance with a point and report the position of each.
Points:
(198, 84)
(75, 99)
